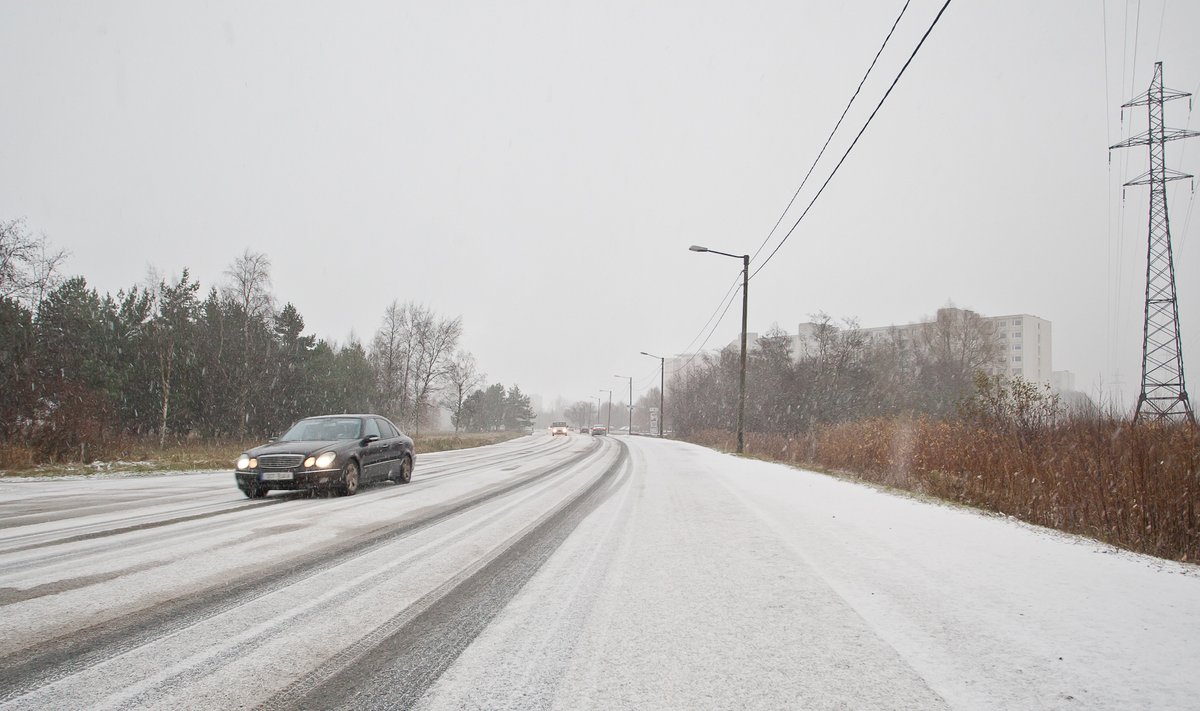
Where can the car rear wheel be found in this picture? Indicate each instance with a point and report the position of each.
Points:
(349, 483)
(405, 474)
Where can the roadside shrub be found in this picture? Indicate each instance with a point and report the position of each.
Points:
(1136, 486)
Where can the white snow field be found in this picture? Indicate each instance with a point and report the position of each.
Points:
(573, 573)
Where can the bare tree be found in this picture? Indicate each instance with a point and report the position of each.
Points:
(248, 285)
(462, 378)
(581, 413)
(436, 340)
(29, 268)
(248, 288)
(391, 359)
(957, 345)
(962, 340)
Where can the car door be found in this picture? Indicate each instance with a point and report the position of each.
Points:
(374, 454)
(394, 450)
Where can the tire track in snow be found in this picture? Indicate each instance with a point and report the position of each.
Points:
(394, 667)
(57, 658)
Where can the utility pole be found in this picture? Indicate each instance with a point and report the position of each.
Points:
(741, 417)
(1164, 393)
(741, 434)
(608, 423)
(662, 389)
(630, 403)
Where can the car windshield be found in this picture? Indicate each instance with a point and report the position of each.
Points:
(320, 429)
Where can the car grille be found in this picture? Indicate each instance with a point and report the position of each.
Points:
(280, 461)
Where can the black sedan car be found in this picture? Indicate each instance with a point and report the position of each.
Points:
(328, 452)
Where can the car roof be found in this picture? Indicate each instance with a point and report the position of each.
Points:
(327, 417)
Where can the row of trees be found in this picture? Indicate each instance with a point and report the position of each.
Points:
(584, 413)
(839, 374)
(494, 409)
(80, 370)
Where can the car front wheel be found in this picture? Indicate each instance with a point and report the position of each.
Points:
(406, 468)
(349, 479)
(253, 491)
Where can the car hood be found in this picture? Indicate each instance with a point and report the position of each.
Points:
(298, 447)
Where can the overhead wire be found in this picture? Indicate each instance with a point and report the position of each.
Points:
(855, 141)
(829, 138)
(700, 350)
(730, 294)
(1130, 69)
(1108, 317)
(1187, 219)
(1162, 20)
(732, 287)
(728, 291)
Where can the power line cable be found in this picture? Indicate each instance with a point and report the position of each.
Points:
(1187, 220)
(1137, 31)
(720, 303)
(700, 350)
(856, 139)
(1162, 20)
(1108, 317)
(732, 287)
(831, 133)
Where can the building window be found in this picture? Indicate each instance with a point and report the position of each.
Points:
(1003, 334)
(1016, 371)
(1016, 346)
(1017, 322)
(1016, 359)
(1002, 323)
(1016, 334)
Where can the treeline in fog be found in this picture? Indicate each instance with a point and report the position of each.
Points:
(81, 370)
(837, 373)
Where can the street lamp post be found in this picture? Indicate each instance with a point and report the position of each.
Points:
(741, 434)
(597, 399)
(662, 389)
(608, 426)
(630, 379)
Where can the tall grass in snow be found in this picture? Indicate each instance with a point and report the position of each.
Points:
(1136, 486)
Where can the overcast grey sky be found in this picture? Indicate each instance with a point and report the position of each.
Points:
(540, 168)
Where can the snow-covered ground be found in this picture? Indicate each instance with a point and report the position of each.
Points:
(713, 581)
(555, 573)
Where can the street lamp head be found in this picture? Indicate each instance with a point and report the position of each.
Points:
(650, 354)
(698, 248)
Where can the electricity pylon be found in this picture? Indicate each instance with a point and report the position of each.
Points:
(1164, 393)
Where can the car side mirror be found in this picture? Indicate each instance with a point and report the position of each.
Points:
(370, 438)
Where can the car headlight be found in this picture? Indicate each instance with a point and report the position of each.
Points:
(309, 462)
(326, 459)
(243, 462)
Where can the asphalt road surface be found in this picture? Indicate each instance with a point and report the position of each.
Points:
(571, 572)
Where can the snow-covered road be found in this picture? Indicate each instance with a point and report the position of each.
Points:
(572, 573)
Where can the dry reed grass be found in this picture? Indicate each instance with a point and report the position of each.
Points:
(1136, 486)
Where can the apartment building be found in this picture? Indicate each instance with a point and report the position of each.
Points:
(1023, 344)
(1024, 347)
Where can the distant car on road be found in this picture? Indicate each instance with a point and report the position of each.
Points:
(328, 452)
(558, 428)
(599, 430)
